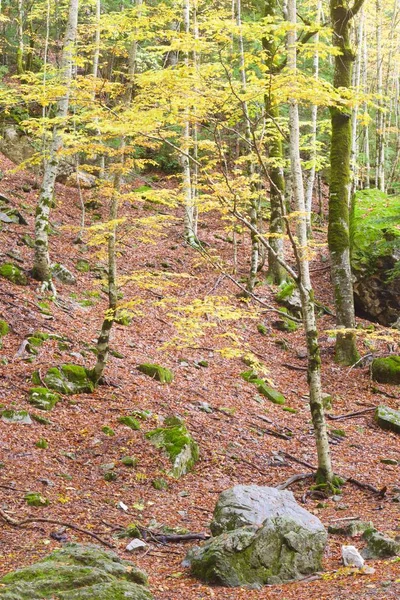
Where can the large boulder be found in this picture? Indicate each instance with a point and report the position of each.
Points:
(262, 536)
(375, 256)
(77, 572)
(68, 379)
(386, 370)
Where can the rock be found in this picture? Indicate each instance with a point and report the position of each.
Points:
(13, 273)
(42, 398)
(16, 416)
(63, 274)
(263, 388)
(262, 537)
(289, 297)
(375, 242)
(83, 265)
(129, 461)
(69, 379)
(388, 418)
(386, 370)
(16, 145)
(157, 372)
(351, 557)
(349, 528)
(81, 179)
(36, 499)
(135, 545)
(122, 506)
(177, 443)
(130, 422)
(379, 545)
(77, 572)
(389, 461)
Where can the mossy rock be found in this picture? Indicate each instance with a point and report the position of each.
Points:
(386, 370)
(157, 372)
(21, 417)
(36, 499)
(4, 328)
(375, 248)
(177, 443)
(77, 572)
(129, 422)
(69, 379)
(379, 545)
(13, 273)
(388, 418)
(129, 461)
(63, 274)
(42, 443)
(263, 388)
(83, 265)
(42, 398)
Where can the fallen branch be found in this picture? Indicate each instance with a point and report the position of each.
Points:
(294, 367)
(293, 479)
(273, 432)
(164, 538)
(298, 460)
(350, 415)
(16, 523)
(364, 486)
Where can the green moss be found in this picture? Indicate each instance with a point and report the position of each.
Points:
(250, 376)
(129, 461)
(40, 419)
(177, 443)
(129, 422)
(386, 370)
(262, 329)
(285, 291)
(69, 379)
(388, 418)
(21, 417)
(4, 328)
(83, 265)
(13, 273)
(43, 398)
(108, 431)
(159, 484)
(269, 392)
(42, 443)
(110, 476)
(156, 372)
(36, 499)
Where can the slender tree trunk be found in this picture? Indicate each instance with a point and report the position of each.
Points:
(276, 273)
(20, 36)
(380, 120)
(324, 473)
(367, 180)
(340, 188)
(354, 113)
(41, 267)
(313, 141)
(103, 342)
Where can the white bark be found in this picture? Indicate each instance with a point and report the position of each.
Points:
(41, 268)
(305, 287)
(380, 122)
(354, 113)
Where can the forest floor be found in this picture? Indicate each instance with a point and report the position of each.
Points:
(234, 448)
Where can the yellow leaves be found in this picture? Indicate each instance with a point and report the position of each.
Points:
(63, 499)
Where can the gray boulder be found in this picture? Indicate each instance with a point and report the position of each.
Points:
(262, 537)
(77, 572)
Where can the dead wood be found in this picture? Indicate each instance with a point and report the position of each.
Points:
(358, 413)
(293, 479)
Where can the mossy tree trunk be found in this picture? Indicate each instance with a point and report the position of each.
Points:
(276, 273)
(324, 472)
(20, 34)
(41, 267)
(340, 184)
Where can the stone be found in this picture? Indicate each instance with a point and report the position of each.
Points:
(129, 461)
(81, 179)
(63, 274)
(289, 297)
(15, 144)
(77, 572)
(157, 372)
(130, 422)
(379, 545)
(262, 536)
(83, 265)
(13, 273)
(351, 557)
(36, 499)
(177, 443)
(386, 370)
(349, 528)
(135, 545)
(16, 416)
(375, 243)
(388, 418)
(42, 398)
(69, 379)
(263, 388)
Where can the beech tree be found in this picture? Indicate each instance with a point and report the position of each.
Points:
(41, 267)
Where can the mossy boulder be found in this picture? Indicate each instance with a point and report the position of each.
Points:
(77, 572)
(21, 417)
(262, 536)
(69, 379)
(63, 274)
(13, 273)
(42, 398)
(375, 256)
(388, 418)
(83, 265)
(36, 499)
(157, 372)
(379, 545)
(289, 297)
(129, 422)
(386, 370)
(177, 443)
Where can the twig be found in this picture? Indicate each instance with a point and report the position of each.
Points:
(298, 460)
(281, 436)
(293, 479)
(345, 519)
(350, 415)
(294, 367)
(363, 486)
(16, 523)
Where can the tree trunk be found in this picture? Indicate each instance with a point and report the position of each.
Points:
(324, 473)
(354, 113)
(276, 273)
(41, 267)
(340, 188)
(20, 36)
(380, 120)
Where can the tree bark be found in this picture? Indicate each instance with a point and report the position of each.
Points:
(20, 36)
(340, 187)
(41, 267)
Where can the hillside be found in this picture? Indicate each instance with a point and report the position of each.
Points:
(220, 409)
